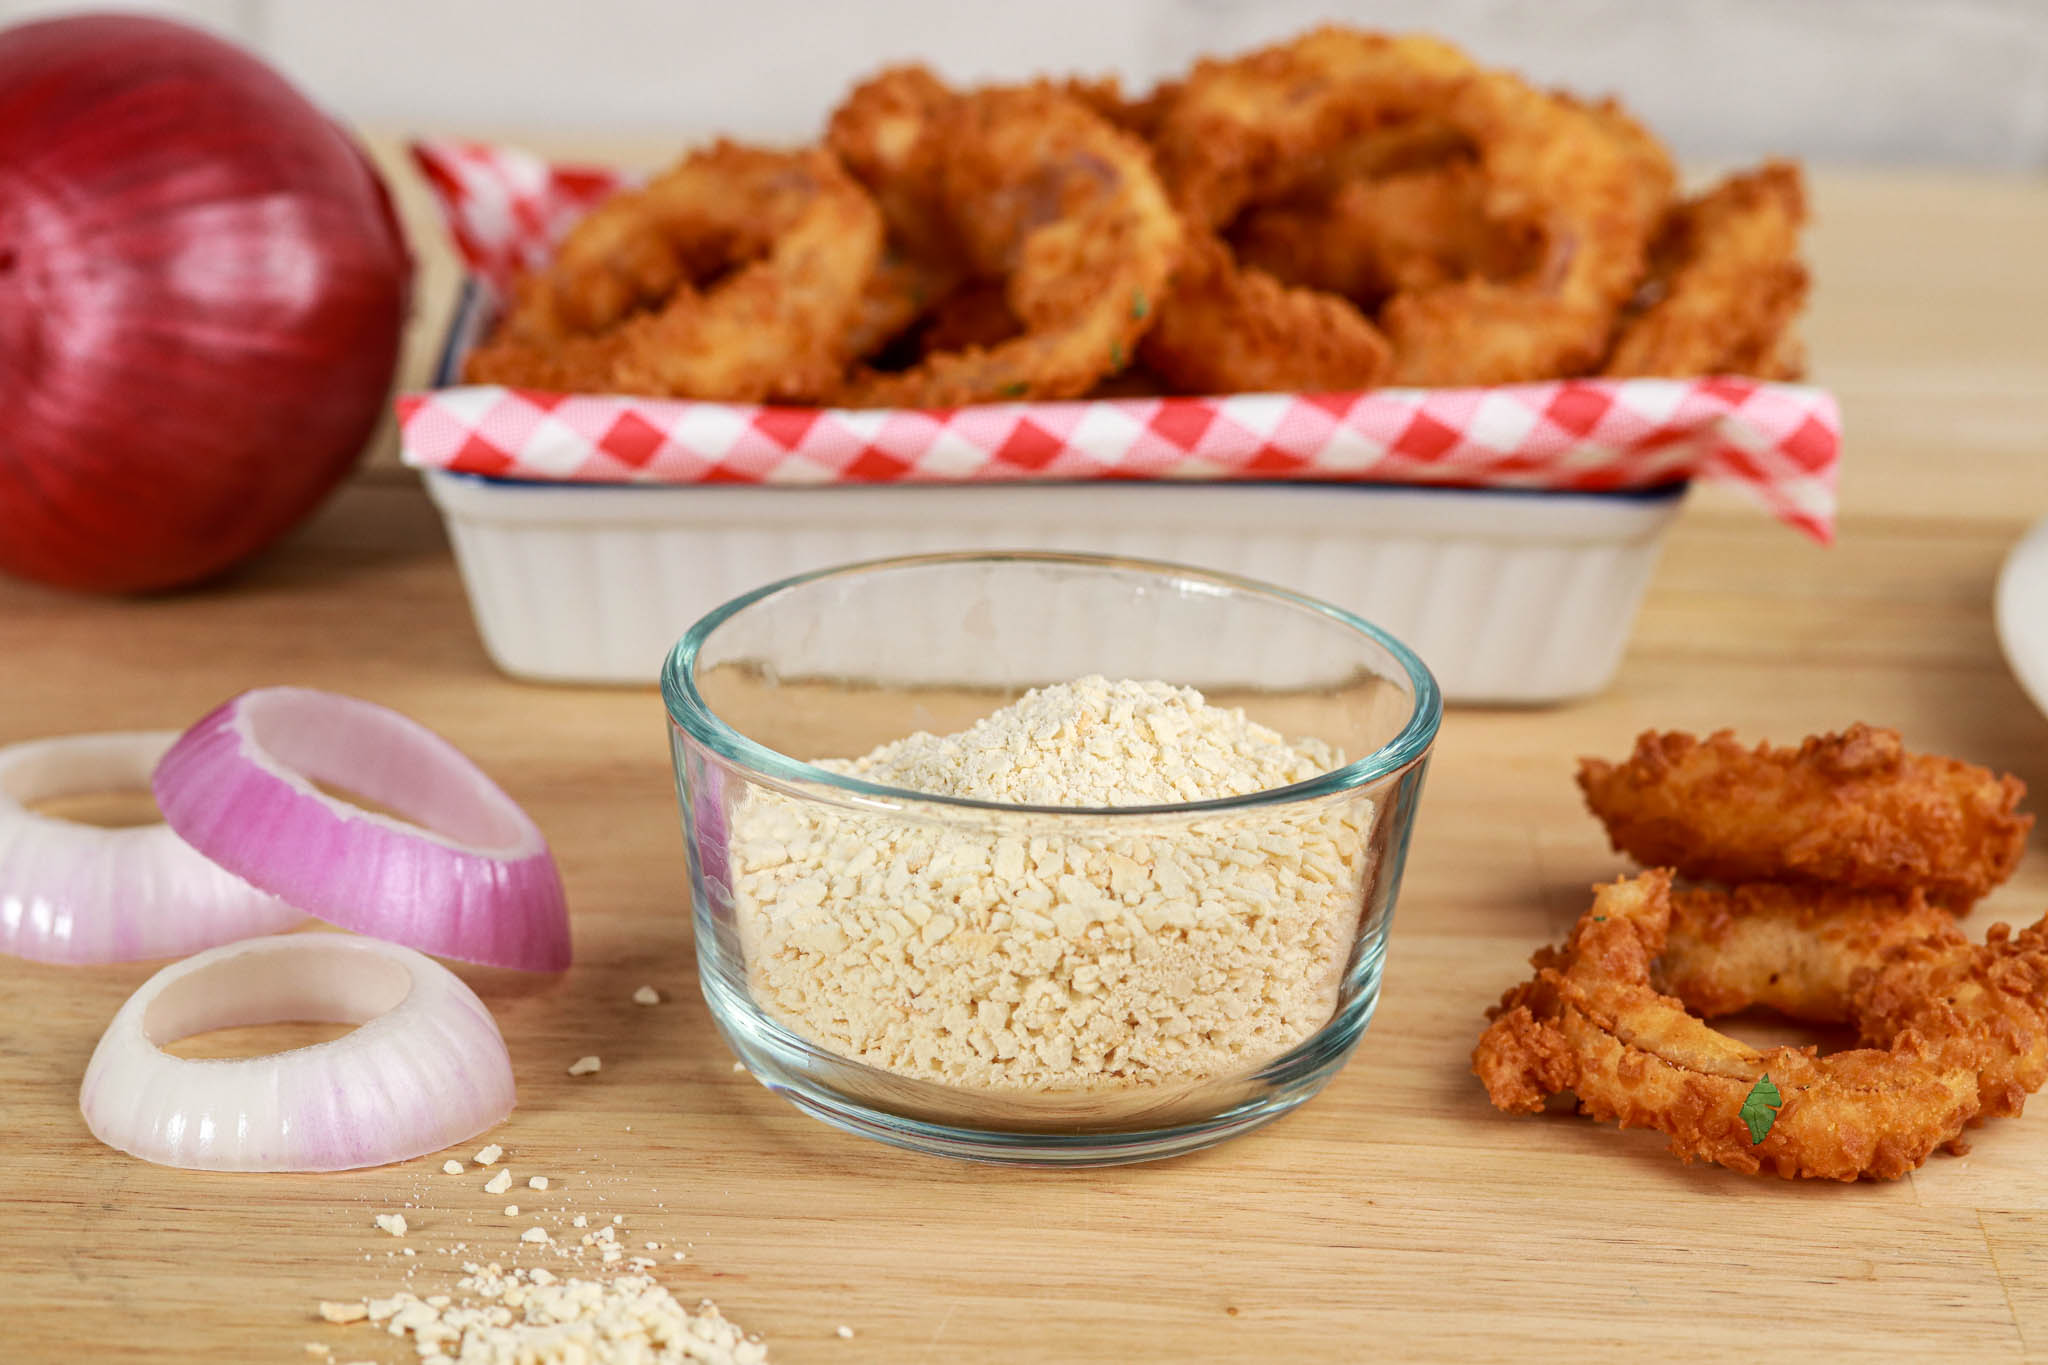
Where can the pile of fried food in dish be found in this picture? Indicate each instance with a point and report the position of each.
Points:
(1823, 883)
(1336, 213)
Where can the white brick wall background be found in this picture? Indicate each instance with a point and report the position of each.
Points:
(1902, 82)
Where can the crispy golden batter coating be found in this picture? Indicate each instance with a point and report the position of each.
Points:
(1139, 114)
(1854, 810)
(1726, 283)
(1254, 128)
(976, 314)
(1591, 1022)
(1227, 328)
(620, 309)
(1261, 127)
(888, 132)
(1590, 189)
(1508, 225)
(1380, 235)
(1335, 212)
(1041, 192)
(1886, 962)
(1793, 949)
(1983, 1007)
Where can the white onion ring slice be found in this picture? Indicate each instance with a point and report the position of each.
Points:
(72, 893)
(470, 878)
(426, 1068)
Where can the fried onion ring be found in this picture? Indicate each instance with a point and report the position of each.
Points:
(1375, 236)
(1726, 282)
(1256, 128)
(1227, 328)
(1591, 1023)
(1260, 127)
(1585, 182)
(887, 133)
(1041, 192)
(772, 328)
(1853, 810)
(1793, 949)
(1592, 188)
(1887, 963)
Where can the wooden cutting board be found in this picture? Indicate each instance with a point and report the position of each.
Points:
(1395, 1217)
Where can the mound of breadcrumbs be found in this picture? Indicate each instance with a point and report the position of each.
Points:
(1060, 952)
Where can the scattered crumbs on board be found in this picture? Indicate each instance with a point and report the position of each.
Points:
(535, 1317)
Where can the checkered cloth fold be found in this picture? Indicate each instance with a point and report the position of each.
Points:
(1781, 443)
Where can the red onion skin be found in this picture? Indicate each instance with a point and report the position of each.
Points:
(202, 294)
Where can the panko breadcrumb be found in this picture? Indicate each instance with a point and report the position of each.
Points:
(534, 1317)
(1017, 955)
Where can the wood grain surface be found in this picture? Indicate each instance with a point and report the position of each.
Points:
(1396, 1217)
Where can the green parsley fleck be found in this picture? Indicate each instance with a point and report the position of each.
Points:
(1014, 390)
(1140, 305)
(1760, 1109)
(1116, 354)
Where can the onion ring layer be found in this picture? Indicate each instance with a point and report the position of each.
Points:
(785, 242)
(472, 879)
(1793, 949)
(1037, 190)
(1228, 328)
(1725, 285)
(1577, 189)
(1591, 187)
(427, 1068)
(74, 893)
(1887, 964)
(1853, 810)
(1591, 1023)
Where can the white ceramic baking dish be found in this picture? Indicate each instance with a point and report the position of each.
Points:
(1510, 596)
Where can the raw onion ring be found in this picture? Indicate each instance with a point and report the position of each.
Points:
(472, 879)
(426, 1068)
(76, 893)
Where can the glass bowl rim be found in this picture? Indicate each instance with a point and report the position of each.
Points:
(688, 709)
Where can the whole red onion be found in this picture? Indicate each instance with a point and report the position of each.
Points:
(202, 290)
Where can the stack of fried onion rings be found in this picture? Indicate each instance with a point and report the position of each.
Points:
(1337, 212)
(1853, 835)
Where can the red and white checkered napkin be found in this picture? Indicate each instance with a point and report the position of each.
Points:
(1780, 442)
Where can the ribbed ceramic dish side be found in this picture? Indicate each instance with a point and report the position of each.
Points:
(1511, 597)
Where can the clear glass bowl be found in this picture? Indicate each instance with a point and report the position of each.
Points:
(1243, 1012)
